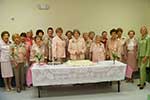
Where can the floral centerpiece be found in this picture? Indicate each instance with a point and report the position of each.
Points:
(38, 57)
(115, 56)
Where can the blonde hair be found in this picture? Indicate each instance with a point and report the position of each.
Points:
(98, 37)
(144, 28)
(16, 35)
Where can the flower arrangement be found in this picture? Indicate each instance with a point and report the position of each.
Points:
(38, 57)
(115, 56)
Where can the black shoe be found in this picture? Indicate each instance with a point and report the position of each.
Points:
(140, 84)
(141, 87)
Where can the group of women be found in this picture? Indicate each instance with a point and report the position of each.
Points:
(26, 50)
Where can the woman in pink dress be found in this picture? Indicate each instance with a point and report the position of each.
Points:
(97, 50)
(112, 45)
(77, 46)
(29, 42)
(59, 46)
(130, 51)
(6, 67)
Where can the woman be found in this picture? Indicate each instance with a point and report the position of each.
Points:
(88, 43)
(6, 68)
(40, 33)
(104, 38)
(58, 46)
(143, 55)
(112, 45)
(48, 42)
(18, 54)
(130, 54)
(29, 38)
(69, 34)
(23, 39)
(77, 46)
(91, 35)
(38, 49)
(97, 50)
(121, 41)
(38, 54)
(68, 38)
(29, 42)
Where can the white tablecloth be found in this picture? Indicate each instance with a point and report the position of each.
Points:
(64, 74)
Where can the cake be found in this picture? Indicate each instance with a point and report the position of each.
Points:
(79, 63)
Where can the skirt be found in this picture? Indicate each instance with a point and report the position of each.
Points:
(6, 69)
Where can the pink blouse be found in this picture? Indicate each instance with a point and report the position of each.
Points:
(98, 52)
(77, 46)
(58, 47)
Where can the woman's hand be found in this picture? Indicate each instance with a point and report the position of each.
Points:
(107, 57)
(15, 64)
(144, 60)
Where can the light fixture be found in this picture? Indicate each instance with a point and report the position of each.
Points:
(43, 6)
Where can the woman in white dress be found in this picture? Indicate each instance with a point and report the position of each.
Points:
(6, 68)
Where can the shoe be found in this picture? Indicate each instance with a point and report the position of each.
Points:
(140, 84)
(18, 90)
(7, 89)
(11, 88)
(127, 81)
(141, 87)
(132, 81)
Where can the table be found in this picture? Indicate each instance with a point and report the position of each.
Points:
(104, 71)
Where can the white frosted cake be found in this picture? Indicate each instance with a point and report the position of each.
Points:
(79, 63)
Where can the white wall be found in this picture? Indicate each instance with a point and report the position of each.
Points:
(85, 15)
